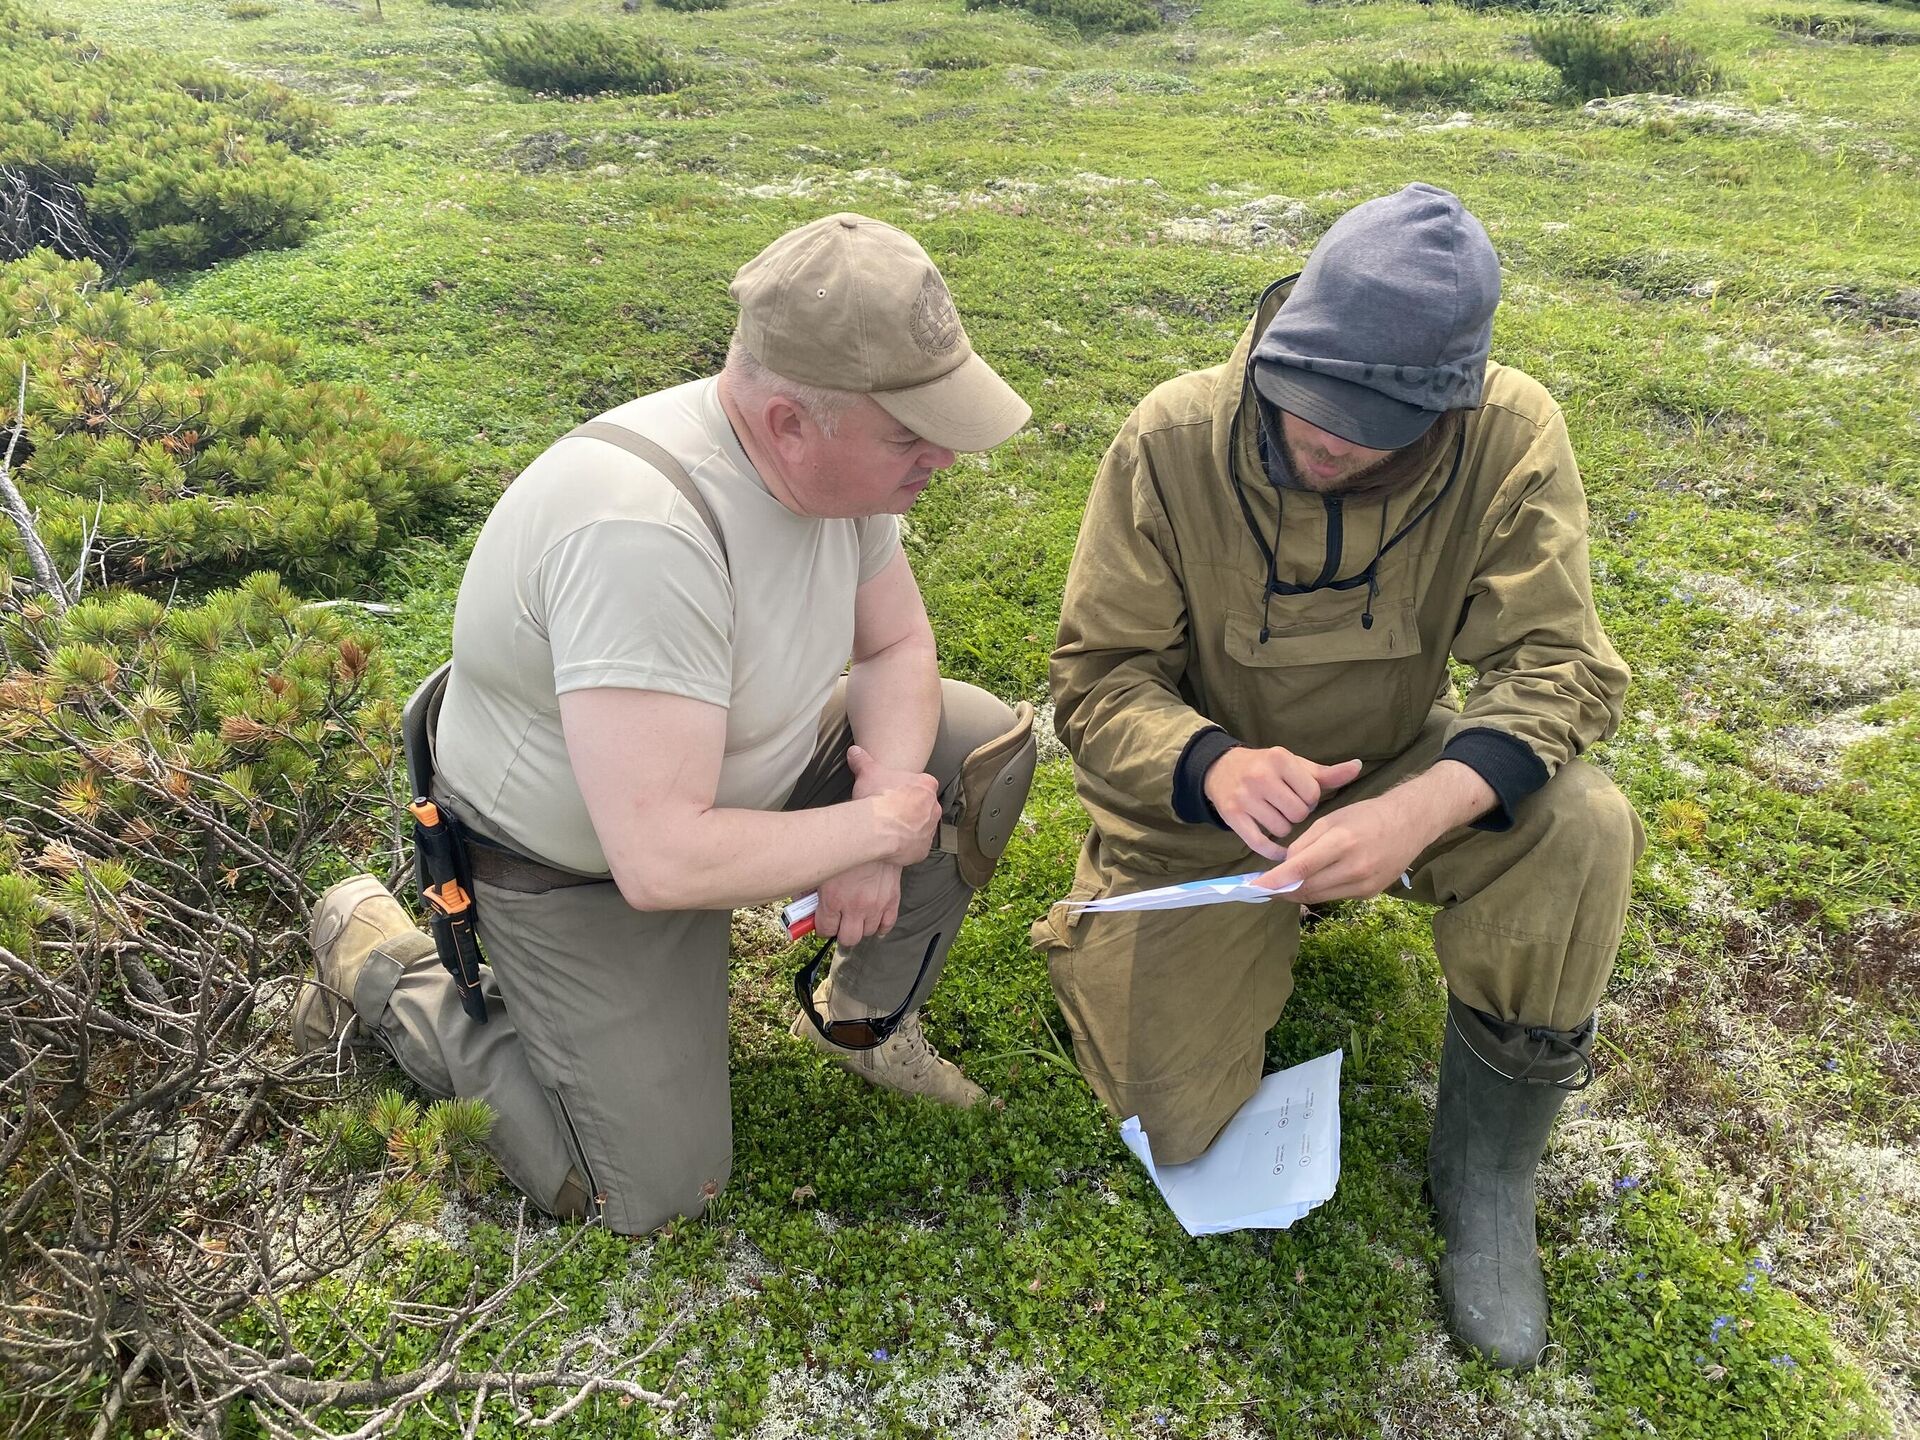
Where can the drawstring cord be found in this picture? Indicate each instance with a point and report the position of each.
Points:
(1373, 571)
(1266, 593)
(1370, 577)
(1557, 1040)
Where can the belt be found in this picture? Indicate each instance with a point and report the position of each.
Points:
(493, 862)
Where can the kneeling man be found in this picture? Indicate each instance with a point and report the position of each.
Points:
(646, 724)
(1278, 558)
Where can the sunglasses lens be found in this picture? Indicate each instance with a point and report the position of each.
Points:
(854, 1034)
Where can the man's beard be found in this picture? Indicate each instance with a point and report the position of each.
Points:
(1368, 477)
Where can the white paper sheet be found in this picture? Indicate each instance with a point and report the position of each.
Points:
(1275, 1161)
(1192, 892)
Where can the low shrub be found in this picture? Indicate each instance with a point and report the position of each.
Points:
(482, 4)
(950, 53)
(1595, 58)
(1629, 8)
(159, 446)
(249, 10)
(1090, 16)
(691, 4)
(140, 733)
(572, 57)
(1400, 82)
(168, 779)
(126, 158)
(1840, 29)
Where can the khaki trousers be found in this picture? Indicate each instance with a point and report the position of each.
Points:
(605, 1049)
(1169, 1010)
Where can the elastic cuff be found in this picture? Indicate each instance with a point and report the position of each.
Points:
(1190, 801)
(1508, 765)
(1532, 1053)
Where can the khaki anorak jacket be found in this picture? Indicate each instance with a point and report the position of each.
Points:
(1166, 634)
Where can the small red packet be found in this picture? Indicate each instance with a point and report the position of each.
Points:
(798, 916)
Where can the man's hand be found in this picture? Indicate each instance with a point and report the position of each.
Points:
(1363, 848)
(906, 807)
(859, 904)
(1356, 851)
(863, 902)
(1262, 794)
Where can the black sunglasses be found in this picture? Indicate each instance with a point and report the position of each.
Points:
(863, 1034)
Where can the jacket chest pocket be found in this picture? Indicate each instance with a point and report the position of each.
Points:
(1322, 628)
(1321, 683)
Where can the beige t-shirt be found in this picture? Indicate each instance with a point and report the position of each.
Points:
(593, 570)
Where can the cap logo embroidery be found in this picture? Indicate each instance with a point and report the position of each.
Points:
(933, 324)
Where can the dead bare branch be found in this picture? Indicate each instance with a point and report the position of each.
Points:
(45, 574)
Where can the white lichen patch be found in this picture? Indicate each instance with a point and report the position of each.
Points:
(1093, 181)
(1805, 757)
(1458, 120)
(1888, 1236)
(1423, 1397)
(1046, 742)
(1854, 655)
(993, 1400)
(1709, 116)
(745, 1270)
(1861, 643)
(869, 180)
(1596, 1150)
(1270, 222)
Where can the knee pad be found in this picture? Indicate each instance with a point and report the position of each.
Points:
(991, 792)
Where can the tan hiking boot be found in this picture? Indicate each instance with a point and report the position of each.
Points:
(906, 1062)
(349, 920)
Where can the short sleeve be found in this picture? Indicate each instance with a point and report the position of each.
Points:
(879, 538)
(636, 605)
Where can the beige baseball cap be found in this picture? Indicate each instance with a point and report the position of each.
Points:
(849, 303)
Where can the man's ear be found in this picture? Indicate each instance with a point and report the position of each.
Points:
(787, 424)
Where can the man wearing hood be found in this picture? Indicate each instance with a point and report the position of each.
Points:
(1278, 558)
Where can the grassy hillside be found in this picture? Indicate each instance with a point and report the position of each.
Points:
(1723, 292)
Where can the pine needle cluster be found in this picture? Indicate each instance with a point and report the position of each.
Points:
(427, 1153)
(235, 741)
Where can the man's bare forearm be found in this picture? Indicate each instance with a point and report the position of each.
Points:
(725, 858)
(893, 703)
(1444, 798)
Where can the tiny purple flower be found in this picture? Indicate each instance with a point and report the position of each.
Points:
(1626, 1183)
(881, 1354)
(1833, 1064)
(1719, 1324)
(1786, 1362)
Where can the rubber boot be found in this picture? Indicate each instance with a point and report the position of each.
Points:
(1500, 1088)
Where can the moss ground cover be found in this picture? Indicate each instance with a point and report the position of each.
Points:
(1723, 292)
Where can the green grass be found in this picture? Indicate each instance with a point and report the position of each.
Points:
(1721, 292)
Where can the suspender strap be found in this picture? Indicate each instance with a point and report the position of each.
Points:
(642, 448)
